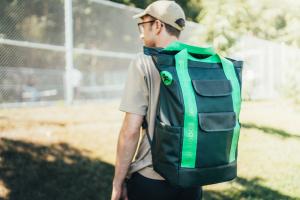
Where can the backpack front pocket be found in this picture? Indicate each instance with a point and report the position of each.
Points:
(166, 144)
(215, 138)
(216, 122)
(213, 95)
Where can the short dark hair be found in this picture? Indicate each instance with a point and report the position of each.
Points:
(172, 30)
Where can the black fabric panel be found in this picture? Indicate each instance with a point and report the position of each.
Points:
(213, 104)
(169, 172)
(150, 51)
(236, 63)
(166, 60)
(206, 73)
(238, 72)
(186, 177)
(171, 110)
(213, 148)
(192, 63)
(207, 176)
(166, 144)
(238, 66)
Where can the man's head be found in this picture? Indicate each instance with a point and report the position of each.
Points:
(161, 23)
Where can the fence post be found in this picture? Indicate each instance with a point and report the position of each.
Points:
(69, 94)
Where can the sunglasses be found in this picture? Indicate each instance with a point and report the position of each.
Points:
(141, 27)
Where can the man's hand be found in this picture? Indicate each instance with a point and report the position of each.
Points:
(119, 192)
(127, 144)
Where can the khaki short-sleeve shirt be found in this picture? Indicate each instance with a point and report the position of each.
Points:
(140, 97)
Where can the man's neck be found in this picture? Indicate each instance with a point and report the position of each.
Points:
(165, 42)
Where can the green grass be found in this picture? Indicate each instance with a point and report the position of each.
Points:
(67, 153)
(269, 160)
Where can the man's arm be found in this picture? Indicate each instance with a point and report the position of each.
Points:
(127, 144)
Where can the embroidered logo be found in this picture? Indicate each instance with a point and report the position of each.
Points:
(166, 77)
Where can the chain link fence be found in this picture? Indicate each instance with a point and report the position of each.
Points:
(35, 67)
(33, 51)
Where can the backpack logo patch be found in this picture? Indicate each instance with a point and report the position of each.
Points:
(166, 77)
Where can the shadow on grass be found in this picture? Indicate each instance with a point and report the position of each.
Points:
(270, 130)
(56, 172)
(247, 189)
(61, 172)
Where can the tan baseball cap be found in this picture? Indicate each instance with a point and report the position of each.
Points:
(168, 12)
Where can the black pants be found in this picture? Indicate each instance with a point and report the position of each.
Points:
(143, 188)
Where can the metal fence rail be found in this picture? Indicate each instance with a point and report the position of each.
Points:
(71, 50)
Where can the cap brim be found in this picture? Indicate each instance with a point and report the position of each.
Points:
(139, 15)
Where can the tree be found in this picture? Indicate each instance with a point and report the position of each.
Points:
(227, 20)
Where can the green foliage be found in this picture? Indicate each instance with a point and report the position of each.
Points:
(190, 7)
(225, 21)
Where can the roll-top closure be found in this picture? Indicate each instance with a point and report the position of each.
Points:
(212, 88)
(168, 60)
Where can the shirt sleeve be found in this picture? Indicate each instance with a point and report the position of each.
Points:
(135, 94)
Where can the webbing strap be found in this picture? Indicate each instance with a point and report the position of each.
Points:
(190, 129)
(230, 74)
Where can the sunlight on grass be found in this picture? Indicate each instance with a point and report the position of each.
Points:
(78, 143)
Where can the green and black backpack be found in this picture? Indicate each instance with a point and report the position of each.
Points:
(197, 125)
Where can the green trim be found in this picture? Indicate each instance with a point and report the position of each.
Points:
(234, 142)
(190, 130)
(230, 74)
(178, 46)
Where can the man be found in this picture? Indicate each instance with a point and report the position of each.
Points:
(160, 24)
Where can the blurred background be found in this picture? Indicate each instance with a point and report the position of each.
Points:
(63, 66)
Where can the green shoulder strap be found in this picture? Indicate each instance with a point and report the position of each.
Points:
(190, 131)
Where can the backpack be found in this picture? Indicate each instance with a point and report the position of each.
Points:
(197, 127)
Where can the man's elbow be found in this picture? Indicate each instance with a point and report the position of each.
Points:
(131, 126)
(130, 134)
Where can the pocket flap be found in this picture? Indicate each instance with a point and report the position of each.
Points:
(212, 88)
(222, 121)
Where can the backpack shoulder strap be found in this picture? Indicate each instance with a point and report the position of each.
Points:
(145, 126)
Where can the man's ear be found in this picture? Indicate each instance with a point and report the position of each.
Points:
(158, 26)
